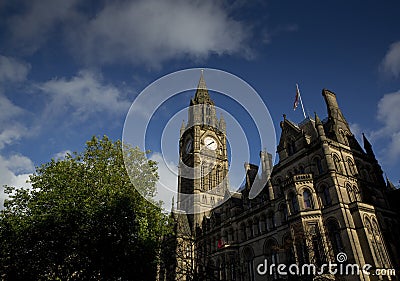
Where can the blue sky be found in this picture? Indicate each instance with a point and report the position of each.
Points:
(70, 70)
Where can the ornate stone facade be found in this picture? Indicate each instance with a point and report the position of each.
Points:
(326, 196)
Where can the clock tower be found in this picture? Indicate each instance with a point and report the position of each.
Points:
(203, 167)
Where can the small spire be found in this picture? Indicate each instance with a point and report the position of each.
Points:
(389, 184)
(368, 146)
(317, 120)
(183, 127)
(202, 96)
(202, 83)
(319, 126)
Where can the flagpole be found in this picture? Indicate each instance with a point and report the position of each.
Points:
(301, 102)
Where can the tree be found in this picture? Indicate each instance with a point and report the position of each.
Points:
(83, 218)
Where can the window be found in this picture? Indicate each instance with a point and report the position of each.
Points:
(334, 236)
(210, 179)
(307, 197)
(248, 256)
(352, 193)
(352, 171)
(271, 254)
(283, 212)
(336, 161)
(294, 206)
(379, 248)
(218, 176)
(319, 165)
(291, 147)
(287, 244)
(326, 196)
(270, 221)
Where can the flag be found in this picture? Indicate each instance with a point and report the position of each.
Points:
(296, 100)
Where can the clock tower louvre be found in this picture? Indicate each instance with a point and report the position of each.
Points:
(203, 167)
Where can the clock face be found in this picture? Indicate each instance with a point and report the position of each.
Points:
(188, 146)
(210, 143)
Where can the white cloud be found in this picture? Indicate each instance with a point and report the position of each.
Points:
(10, 129)
(389, 115)
(152, 31)
(84, 95)
(141, 31)
(357, 131)
(31, 29)
(391, 62)
(12, 70)
(14, 171)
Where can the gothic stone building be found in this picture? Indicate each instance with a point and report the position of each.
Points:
(325, 197)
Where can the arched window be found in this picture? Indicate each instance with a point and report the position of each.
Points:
(271, 254)
(336, 161)
(219, 174)
(294, 204)
(379, 248)
(301, 169)
(248, 256)
(307, 198)
(326, 196)
(270, 220)
(318, 165)
(334, 236)
(352, 193)
(288, 248)
(283, 212)
(351, 167)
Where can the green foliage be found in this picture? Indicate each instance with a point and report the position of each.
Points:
(83, 219)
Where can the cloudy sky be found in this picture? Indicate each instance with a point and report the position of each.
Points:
(71, 69)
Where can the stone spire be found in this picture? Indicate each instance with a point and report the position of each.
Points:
(336, 121)
(202, 96)
(319, 126)
(183, 127)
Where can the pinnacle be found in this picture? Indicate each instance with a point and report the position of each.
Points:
(202, 83)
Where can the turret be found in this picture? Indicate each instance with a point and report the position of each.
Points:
(266, 164)
(337, 126)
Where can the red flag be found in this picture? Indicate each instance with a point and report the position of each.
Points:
(220, 243)
(296, 100)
